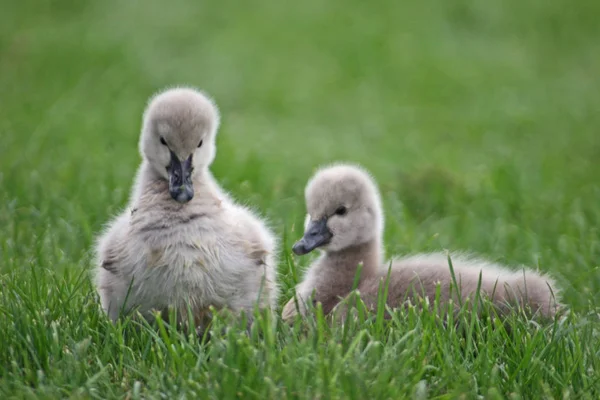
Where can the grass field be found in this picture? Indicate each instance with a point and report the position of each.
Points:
(479, 118)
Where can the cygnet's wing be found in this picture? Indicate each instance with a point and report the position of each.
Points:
(111, 246)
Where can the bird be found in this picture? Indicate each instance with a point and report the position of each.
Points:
(345, 223)
(182, 242)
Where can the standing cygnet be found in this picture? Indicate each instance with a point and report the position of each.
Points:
(182, 241)
(345, 220)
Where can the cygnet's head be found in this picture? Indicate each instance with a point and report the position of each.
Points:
(178, 137)
(344, 210)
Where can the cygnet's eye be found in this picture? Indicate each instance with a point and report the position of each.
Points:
(163, 141)
(200, 144)
(341, 210)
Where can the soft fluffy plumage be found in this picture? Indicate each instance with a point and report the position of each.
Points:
(345, 221)
(182, 240)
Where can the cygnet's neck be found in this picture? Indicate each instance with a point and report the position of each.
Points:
(346, 261)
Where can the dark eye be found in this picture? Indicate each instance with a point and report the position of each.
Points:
(200, 144)
(163, 141)
(341, 210)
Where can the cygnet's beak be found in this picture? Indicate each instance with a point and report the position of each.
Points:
(181, 187)
(317, 234)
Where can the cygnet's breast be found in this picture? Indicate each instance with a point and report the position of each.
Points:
(189, 252)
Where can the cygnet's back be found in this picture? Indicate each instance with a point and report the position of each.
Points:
(345, 222)
(425, 274)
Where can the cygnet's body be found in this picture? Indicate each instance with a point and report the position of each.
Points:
(182, 241)
(345, 221)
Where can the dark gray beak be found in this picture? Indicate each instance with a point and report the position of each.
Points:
(181, 187)
(317, 234)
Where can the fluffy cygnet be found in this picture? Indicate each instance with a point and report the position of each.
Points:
(345, 221)
(182, 241)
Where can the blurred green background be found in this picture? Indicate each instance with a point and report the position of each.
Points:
(480, 119)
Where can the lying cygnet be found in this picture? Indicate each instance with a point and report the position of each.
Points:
(182, 242)
(345, 220)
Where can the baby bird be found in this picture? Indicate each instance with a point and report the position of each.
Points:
(345, 221)
(182, 241)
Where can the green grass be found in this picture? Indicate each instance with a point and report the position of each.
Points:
(478, 118)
